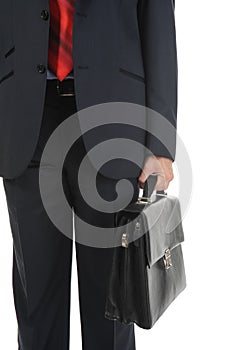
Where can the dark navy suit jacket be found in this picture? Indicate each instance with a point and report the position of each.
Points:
(123, 51)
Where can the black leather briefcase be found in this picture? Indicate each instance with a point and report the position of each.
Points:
(148, 269)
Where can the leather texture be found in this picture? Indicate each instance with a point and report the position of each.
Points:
(140, 287)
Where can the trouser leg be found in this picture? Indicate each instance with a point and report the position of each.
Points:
(41, 268)
(98, 333)
(94, 262)
(41, 253)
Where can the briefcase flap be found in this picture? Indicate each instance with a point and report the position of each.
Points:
(163, 224)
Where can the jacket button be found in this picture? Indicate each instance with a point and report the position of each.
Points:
(41, 68)
(44, 15)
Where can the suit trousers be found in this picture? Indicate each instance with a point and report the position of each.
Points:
(42, 254)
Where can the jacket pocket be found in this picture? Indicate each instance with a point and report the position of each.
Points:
(6, 76)
(9, 52)
(6, 65)
(132, 75)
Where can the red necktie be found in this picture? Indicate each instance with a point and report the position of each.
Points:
(60, 37)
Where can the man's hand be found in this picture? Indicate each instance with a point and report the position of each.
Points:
(161, 166)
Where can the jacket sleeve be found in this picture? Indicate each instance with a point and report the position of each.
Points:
(158, 39)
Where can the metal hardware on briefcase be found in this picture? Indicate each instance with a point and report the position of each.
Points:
(148, 268)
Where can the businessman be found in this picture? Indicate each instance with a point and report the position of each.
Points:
(59, 57)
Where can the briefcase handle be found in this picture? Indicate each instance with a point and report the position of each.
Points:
(149, 188)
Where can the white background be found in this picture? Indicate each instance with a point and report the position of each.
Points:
(200, 317)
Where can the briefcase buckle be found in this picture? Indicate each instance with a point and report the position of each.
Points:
(124, 240)
(142, 200)
(167, 259)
